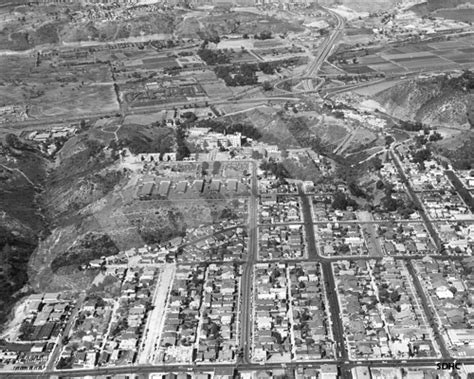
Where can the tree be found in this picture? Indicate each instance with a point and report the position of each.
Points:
(267, 86)
(340, 201)
(389, 203)
(12, 140)
(215, 39)
(389, 140)
(183, 150)
(263, 35)
(411, 126)
(435, 137)
(377, 163)
(421, 155)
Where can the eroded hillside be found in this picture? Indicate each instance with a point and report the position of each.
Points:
(445, 101)
(22, 172)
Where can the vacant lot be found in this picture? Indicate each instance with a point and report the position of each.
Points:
(216, 89)
(56, 91)
(357, 69)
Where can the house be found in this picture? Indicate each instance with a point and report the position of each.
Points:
(128, 341)
(328, 372)
(444, 293)
(89, 306)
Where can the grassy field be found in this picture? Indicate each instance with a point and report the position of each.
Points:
(56, 90)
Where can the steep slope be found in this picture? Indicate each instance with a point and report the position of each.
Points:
(444, 101)
(22, 172)
(460, 10)
(434, 5)
(59, 214)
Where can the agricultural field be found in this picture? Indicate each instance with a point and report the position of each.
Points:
(415, 58)
(161, 92)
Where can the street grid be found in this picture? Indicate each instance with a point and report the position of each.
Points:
(246, 282)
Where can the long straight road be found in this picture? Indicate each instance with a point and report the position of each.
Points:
(330, 285)
(246, 322)
(428, 311)
(325, 51)
(54, 357)
(149, 369)
(416, 200)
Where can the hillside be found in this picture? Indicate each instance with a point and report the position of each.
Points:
(434, 5)
(442, 101)
(58, 214)
(221, 23)
(21, 177)
(460, 10)
(24, 27)
(361, 5)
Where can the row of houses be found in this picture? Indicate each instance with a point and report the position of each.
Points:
(280, 209)
(381, 315)
(449, 285)
(281, 242)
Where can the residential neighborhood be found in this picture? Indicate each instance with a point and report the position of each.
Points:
(237, 189)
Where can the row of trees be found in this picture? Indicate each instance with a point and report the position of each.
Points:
(182, 147)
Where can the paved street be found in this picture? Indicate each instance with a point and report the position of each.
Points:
(330, 285)
(416, 200)
(149, 369)
(246, 321)
(54, 357)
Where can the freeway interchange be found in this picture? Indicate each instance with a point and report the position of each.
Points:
(246, 325)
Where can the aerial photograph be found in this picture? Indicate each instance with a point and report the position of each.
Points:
(237, 189)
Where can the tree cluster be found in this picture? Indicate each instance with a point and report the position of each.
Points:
(341, 201)
(421, 155)
(263, 35)
(91, 246)
(243, 75)
(246, 130)
(213, 57)
(183, 149)
(276, 168)
(411, 126)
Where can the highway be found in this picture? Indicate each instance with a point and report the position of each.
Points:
(325, 51)
(246, 307)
